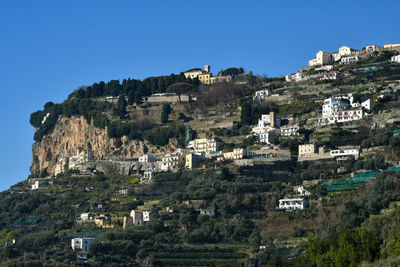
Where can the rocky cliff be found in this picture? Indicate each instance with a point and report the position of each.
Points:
(71, 134)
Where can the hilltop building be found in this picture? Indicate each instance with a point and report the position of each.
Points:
(391, 45)
(206, 77)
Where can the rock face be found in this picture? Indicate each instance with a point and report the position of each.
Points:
(71, 134)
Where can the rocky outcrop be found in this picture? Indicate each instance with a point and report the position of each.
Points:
(71, 134)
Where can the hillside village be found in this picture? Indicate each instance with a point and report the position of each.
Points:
(251, 166)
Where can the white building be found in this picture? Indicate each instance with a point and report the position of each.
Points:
(289, 130)
(348, 60)
(82, 243)
(262, 94)
(326, 67)
(208, 212)
(38, 184)
(86, 216)
(344, 153)
(146, 215)
(267, 122)
(293, 204)
(302, 191)
(147, 158)
(296, 77)
(267, 136)
(334, 75)
(395, 59)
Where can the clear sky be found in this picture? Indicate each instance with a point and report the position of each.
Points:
(49, 48)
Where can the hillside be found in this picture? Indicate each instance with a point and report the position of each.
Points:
(181, 171)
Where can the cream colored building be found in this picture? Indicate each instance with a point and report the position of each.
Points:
(392, 45)
(372, 48)
(206, 145)
(192, 159)
(321, 58)
(307, 150)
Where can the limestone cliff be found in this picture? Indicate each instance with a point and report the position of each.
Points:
(71, 134)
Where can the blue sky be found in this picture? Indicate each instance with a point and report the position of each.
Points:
(49, 48)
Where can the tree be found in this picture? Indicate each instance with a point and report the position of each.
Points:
(120, 110)
(245, 114)
(166, 110)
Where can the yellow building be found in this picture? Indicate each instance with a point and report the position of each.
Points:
(206, 77)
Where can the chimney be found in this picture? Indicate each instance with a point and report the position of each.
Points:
(207, 68)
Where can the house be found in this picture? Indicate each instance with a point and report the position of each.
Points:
(206, 145)
(147, 158)
(334, 75)
(103, 221)
(82, 243)
(146, 215)
(124, 192)
(206, 77)
(137, 217)
(148, 176)
(348, 60)
(345, 153)
(347, 51)
(262, 94)
(86, 216)
(266, 122)
(289, 130)
(82, 156)
(302, 191)
(193, 158)
(321, 58)
(208, 212)
(307, 150)
(391, 45)
(293, 204)
(296, 77)
(38, 184)
(395, 59)
(169, 162)
(267, 136)
(237, 153)
(343, 109)
(326, 68)
(371, 48)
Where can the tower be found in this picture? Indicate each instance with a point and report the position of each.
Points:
(207, 68)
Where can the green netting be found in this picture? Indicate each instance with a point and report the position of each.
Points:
(358, 178)
(340, 188)
(395, 169)
(370, 70)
